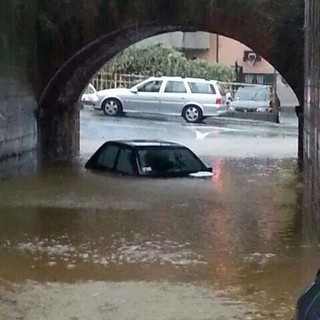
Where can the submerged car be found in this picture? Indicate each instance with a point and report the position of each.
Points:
(253, 99)
(308, 305)
(149, 158)
(193, 99)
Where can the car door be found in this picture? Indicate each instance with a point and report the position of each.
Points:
(145, 97)
(173, 97)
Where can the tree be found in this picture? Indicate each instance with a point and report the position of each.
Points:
(161, 60)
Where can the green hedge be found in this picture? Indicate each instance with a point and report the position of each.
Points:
(161, 60)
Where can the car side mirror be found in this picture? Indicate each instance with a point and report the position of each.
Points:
(134, 90)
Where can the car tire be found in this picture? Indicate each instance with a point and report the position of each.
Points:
(192, 114)
(112, 107)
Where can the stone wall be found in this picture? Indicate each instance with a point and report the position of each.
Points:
(18, 131)
(312, 106)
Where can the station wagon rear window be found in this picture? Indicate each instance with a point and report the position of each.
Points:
(201, 87)
(221, 88)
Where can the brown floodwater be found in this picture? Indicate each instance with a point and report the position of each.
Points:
(241, 235)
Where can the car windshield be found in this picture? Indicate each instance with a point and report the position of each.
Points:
(89, 89)
(163, 161)
(252, 94)
(137, 83)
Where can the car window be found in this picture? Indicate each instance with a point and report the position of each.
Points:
(125, 161)
(175, 87)
(222, 89)
(89, 90)
(168, 160)
(108, 157)
(151, 86)
(201, 87)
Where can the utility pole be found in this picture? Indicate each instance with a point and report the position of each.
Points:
(275, 100)
(217, 48)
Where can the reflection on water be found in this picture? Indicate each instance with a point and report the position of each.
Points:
(241, 231)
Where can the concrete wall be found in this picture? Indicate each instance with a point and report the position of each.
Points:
(18, 132)
(312, 107)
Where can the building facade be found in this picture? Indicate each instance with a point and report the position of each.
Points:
(312, 105)
(219, 49)
(251, 67)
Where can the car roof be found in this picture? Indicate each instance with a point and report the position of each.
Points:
(178, 78)
(147, 143)
(253, 88)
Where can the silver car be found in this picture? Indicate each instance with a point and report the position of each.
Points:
(193, 99)
(89, 96)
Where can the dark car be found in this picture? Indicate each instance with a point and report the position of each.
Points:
(254, 99)
(150, 158)
(308, 305)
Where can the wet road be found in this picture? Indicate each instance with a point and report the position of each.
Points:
(216, 137)
(80, 245)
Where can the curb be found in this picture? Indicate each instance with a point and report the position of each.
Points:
(251, 122)
(224, 120)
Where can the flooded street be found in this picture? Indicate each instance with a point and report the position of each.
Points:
(76, 244)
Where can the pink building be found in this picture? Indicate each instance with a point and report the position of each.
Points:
(219, 49)
(230, 52)
(213, 48)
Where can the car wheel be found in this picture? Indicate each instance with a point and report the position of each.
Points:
(112, 107)
(192, 114)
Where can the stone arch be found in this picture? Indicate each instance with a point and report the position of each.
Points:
(275, 32)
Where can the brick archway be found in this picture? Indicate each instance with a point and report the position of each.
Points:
(86, 39)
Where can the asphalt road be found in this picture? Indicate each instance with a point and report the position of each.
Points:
(216, 137)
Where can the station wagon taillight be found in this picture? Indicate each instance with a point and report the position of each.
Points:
(218, 101)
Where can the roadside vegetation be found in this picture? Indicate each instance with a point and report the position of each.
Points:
(161, 60)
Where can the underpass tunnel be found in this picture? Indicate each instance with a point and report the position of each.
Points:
(59, 118)
(255, 73)
(243, 227)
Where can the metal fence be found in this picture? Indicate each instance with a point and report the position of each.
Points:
(104, 80)
(233, 87)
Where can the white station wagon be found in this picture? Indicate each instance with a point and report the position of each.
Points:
(193, 99)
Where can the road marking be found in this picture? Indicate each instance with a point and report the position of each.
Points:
(217, 128)
(200, 135)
